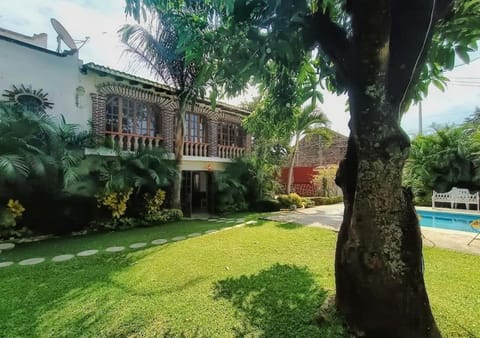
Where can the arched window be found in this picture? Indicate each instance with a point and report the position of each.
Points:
(129, 116)
(195, 128)
(231, 134)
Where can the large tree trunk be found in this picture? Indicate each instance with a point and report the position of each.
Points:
(179, 142)
(379, 266)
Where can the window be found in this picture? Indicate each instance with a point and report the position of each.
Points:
(195, 128)
(231, 134)
(129, 116)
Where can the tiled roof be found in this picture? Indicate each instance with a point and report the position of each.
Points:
(114, 72)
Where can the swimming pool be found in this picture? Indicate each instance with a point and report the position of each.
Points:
(446, 220)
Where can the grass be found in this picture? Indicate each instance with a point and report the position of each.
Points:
(262, 280)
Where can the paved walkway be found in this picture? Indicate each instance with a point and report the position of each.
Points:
(330, 217)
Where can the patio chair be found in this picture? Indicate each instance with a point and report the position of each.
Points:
(475, 226)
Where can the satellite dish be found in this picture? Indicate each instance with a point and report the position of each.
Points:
(62, 35)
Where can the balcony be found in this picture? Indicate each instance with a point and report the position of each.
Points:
(132, 142)
(230, 151)
(195, 149)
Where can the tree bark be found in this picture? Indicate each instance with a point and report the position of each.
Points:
(292, 165)
(179, 142)
(378, 264)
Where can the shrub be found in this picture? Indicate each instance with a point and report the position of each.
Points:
(267, 205)
(423, 201)
(172, 215)
(115, 202)
(286, 201)
(307, 203)
(153, 205)
(326, 200)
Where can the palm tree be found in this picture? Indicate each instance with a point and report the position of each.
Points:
(157, 48)
(306, 122)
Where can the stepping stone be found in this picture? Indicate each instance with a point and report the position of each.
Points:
(115, 249)
(211, 231)
(32, 261)
(62, 258)
(227, 228)
(138, 245)
(5, 264)
(219, 221)
(159, 241)
(212, 220)
(178, 238)
(230, 221)
(251, 222)
(6, 246)
(87, 253)
(195, 234)
(240, 219)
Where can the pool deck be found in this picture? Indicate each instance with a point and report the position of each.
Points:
(330, 217)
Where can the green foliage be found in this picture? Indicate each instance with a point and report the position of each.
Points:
(153, 205)
(307, 203)
(173, 215)
(324, 180)
(326, 200)
(244, 182)
(267, 205)
(287, 201)
(443, 160)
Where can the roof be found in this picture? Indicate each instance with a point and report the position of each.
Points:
(149, 83)
(41, 49)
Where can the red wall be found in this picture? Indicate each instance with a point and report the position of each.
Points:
(302, 175)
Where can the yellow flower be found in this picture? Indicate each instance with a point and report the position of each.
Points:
(15, 207)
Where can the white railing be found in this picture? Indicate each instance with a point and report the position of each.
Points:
(230, 151)
(195, 149)
(131, 142)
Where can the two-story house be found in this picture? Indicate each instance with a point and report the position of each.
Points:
(125, 110)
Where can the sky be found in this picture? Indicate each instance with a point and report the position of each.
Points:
(101, 19)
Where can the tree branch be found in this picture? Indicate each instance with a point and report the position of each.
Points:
(331, 38)
(413, 24)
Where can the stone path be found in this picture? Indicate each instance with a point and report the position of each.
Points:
(331, 216)
(114, 249)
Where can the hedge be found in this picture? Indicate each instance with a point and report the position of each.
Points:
(326, 200)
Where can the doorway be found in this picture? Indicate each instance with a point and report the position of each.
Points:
(195, 192)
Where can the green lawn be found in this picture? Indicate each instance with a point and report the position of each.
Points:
(265, 280)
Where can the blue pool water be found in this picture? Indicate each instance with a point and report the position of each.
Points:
(446, 220)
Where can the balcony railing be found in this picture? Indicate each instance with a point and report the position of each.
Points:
(195, 149)
(230, 151)
(131, 142)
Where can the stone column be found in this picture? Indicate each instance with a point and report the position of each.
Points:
(98, 117)
(212, 137)
(168, 130)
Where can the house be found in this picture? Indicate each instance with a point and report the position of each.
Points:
(313, 153)
(122, 109)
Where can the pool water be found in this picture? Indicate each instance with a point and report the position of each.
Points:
(446, 220)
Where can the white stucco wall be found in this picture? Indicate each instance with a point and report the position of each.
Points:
(59, 76)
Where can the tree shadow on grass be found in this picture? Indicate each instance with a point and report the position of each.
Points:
(289, 225)
(280, 301)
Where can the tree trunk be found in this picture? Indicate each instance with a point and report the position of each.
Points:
(379, 266)
(378, 263)
(179, 141)
(292, 165)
